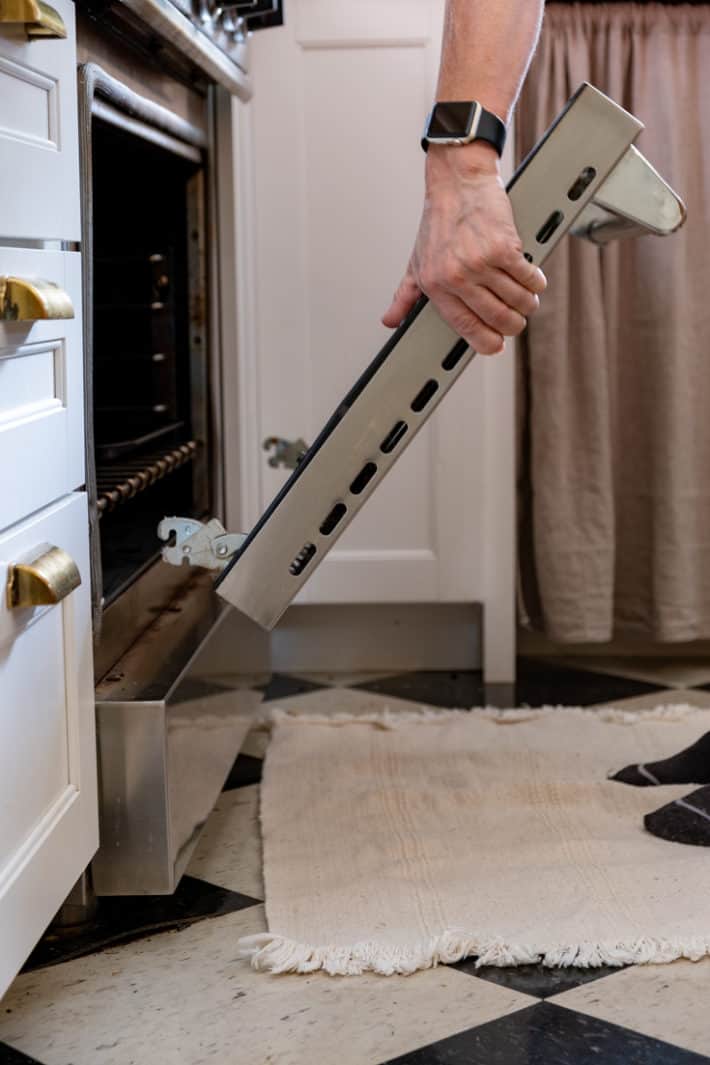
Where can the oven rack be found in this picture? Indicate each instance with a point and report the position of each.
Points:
(119, 448)
(121, 481)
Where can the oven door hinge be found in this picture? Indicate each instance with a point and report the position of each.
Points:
(198, 543)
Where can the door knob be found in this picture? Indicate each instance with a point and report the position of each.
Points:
(25, 299)
(46, 577)
(38, 18)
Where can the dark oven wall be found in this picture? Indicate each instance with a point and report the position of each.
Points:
(148, 346)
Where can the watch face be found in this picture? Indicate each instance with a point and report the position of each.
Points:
(449, 120)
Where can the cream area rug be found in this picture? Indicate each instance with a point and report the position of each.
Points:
(398, 841)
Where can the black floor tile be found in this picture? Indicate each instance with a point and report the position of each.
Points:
(120, 919)
(245, 771)
(549, 684)
(10, 1056)
(462, 689)
(546, 1034)
(536, 980)
(538, 684)
(281, 686)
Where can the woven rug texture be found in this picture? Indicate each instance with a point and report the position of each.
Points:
(395, 842)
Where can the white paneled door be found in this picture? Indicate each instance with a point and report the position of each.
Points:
(341, 93)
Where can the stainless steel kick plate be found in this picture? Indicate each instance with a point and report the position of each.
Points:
(584, 176)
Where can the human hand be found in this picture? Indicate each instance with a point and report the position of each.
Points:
(468, 257)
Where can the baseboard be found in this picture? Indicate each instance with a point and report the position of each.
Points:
(352, 638)
(534, 643)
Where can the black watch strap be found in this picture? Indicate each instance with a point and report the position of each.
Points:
(489, 128)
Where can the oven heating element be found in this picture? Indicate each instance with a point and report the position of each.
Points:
(585, 177)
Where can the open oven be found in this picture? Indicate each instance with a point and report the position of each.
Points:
(156, 84)
(149, 300)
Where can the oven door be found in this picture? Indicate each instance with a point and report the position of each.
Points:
(167, 738)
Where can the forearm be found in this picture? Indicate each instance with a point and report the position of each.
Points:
(486, 51)
(468, 257)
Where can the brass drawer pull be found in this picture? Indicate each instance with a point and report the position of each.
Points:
(25, 299)
(38, 18)
(46, 578)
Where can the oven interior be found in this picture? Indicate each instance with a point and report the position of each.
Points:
(149, 345)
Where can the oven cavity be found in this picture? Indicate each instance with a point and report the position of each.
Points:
(149, 346)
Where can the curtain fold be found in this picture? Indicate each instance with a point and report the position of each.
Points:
(615, 367)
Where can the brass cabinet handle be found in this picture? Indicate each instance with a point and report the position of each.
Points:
(25, 299)
(43, 579)
(38, 18)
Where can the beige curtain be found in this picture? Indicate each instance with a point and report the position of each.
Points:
(615, 368)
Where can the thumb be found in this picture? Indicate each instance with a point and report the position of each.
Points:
(403, 300)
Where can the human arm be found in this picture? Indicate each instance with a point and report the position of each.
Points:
(468, 257)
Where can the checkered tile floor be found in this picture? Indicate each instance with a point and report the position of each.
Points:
(158, 980)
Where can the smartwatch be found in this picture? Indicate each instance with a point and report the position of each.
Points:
(460, 122)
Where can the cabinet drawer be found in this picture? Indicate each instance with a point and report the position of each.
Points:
(41, 392)
(48, 816)
(39, 134)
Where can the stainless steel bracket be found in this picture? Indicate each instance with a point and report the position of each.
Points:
(584, 177)
(633, 200)
(196, 543)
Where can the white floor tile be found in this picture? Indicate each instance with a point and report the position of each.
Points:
(256, 743)
(229, 851)
(186, 999)
(663, 1001)
(342, 701)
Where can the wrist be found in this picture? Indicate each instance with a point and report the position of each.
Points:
(479, 158)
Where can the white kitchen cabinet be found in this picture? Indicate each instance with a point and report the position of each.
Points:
(48, 792)
(39, 171)
(41, 391)
(48, 809)
(342, 91)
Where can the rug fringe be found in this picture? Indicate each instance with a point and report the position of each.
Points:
(271, 953)
(391, 719)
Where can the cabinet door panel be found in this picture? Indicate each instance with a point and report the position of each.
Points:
(39, 134)
(48, 814)
(41, 392)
